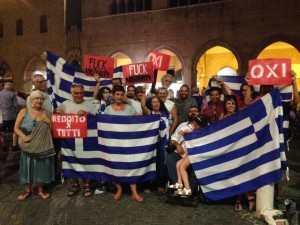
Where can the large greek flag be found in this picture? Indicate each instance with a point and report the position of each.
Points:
(240, 153)
(120, 149)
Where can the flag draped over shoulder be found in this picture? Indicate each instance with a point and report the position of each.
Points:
(240, 153)
(118, 148)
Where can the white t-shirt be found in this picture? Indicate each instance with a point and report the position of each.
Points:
(179, 138)
(136, 105)
(69, 106)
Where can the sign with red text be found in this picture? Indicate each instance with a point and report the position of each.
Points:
(160, 61)
(270, 72)
(103, 66)
(69, 126)
(138, 73)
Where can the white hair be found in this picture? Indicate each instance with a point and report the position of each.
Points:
(8, 86)
(37, 94)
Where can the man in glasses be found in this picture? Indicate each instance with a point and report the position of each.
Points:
(80, 107)
(40, 84)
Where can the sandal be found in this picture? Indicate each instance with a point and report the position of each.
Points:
(176, 186)
(251, 204)
(24, 195)
(73, 189)
(238, 206)
(137, 198)
(87, 190)
(183, 192)
(43, 195)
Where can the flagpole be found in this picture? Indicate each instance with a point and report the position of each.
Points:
(264, 198)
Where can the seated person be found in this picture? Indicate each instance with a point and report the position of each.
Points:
(172, 158)
(196, 123)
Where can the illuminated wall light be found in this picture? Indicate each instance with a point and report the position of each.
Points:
(296, 68)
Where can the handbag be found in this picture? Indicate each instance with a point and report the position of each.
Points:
(41, 144)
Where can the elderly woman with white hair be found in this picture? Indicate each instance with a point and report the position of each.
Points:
(33, 126)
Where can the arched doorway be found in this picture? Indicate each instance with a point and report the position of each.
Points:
(175, 69)
(283, 50)
(217, 60)
(5, 73)
(121, 59)
(35, 66)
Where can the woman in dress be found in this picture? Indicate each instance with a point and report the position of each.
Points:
(34, 170)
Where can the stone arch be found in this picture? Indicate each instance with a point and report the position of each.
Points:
(168, 48)
(123, 54)
(174, 52)
(177, 66)
(271, 40)
(6, 74)
(206, 47)
(280, 47)
(36, 65)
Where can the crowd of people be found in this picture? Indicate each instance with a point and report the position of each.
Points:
(188, 112)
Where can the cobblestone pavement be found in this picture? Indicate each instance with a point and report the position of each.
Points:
(102, 209)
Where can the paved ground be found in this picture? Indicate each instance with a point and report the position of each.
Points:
(102, 209)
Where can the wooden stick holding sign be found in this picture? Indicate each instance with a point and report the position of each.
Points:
(160, 62)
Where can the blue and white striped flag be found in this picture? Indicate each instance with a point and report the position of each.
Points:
(118, 149)
(234, 83)
(240, 153)
(61, 75)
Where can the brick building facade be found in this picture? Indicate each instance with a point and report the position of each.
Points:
(245, 27)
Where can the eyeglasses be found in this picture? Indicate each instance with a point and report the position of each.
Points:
(40, 82)
(77, 93)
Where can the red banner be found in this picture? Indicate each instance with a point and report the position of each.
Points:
(138, 73)
(103, 66)
(69, 126)
(270, 72)
(160, 61)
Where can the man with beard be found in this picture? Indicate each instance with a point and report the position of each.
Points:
(183, 103)
(215, 107)
(177, 142)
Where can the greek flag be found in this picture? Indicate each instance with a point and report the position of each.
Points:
(120, 149)
(61, 75)
(240, 153)
(234, 83)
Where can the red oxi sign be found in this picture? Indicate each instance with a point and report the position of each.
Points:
(270, 72)
(160, 61)
(69, 126)
(103, 66)
(138, 73)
